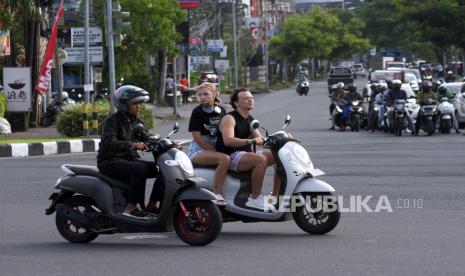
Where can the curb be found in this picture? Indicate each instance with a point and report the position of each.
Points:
(49, 148)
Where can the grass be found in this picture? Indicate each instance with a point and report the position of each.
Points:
(34, 140)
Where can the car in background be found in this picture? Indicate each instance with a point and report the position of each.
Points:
(459, 105)
(340, 74)
(390, 75)
(395, 64)
(412, 80)
(455, 87)
(359, 69)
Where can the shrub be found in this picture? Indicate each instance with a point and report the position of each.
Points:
(2, 104)
(69, 121)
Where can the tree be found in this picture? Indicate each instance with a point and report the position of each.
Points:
(318, 34)
(152, 33)
(350, 35)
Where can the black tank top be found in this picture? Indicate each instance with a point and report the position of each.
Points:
(241, 131)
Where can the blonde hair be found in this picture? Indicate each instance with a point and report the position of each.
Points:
(212, 88)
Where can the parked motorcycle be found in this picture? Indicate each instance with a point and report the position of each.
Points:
(90, 203)
(51, 114)
(425, 118)
(445, 111)
(299, 185)
(303, 87)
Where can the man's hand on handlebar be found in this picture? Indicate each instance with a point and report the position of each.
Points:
(140, 146)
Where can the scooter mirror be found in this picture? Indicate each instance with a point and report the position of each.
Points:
(287, 121)
(254, 124)
(176, 127)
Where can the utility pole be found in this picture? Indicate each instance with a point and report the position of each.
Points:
(234, 43)
(266, 47)
(175, 91)
(111, 53)
(86, 70)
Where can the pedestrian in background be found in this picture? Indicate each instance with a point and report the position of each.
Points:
(184, 84)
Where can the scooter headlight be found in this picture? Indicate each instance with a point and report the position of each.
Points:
(184, 162)
(376, 108)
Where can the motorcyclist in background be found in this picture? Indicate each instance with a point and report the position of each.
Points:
(375, 91)
(449, 77)
(426, 92)
(397, 94)
(444, 93)
(351, 96)
(337, 95)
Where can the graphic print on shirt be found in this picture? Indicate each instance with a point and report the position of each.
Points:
(212, 126)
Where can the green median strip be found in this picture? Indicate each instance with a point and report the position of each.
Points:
(35, 140)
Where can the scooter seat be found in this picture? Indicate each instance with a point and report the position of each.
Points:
(241, 175)
(93, 171)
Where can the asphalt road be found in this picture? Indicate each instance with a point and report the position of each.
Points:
(422, 179)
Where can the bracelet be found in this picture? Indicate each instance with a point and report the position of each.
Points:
(247, 142)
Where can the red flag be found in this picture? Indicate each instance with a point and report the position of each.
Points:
(45, 74)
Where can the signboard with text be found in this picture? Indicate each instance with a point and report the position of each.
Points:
(77, 36)
(76, 55)
(17, 88)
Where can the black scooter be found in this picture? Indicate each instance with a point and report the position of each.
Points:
(90, 203)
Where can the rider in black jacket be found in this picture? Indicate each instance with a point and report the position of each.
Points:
(117, 156)
(396, 93)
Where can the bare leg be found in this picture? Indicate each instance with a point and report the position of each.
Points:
(257, 163)
(276, 180)
(208, 157)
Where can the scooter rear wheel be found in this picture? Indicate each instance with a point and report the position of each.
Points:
(67, 229)
(203, 224)
(315, 216)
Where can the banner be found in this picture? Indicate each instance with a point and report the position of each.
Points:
(45, 74)
(5, 48)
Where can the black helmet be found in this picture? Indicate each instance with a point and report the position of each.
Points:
(127, 94)
(442, 90)
(351, 87)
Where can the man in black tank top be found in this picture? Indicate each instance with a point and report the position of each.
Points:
(235, 138)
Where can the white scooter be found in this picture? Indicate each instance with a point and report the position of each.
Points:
(309, 201)
(446, 109)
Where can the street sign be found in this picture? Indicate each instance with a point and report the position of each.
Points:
(17, 88)
(373, 51)
(98, 74)
(221, 65)
(77, 36)
(64, 38)
(194, 41)
(200, 60)
(76, 55)
(215, 45)
(194, 51)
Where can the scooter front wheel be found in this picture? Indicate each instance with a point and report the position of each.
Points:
(201, 226)
(319, 215)
(67, 229)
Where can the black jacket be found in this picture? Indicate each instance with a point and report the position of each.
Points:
(117, 143)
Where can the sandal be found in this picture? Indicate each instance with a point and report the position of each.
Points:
(220, 200)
